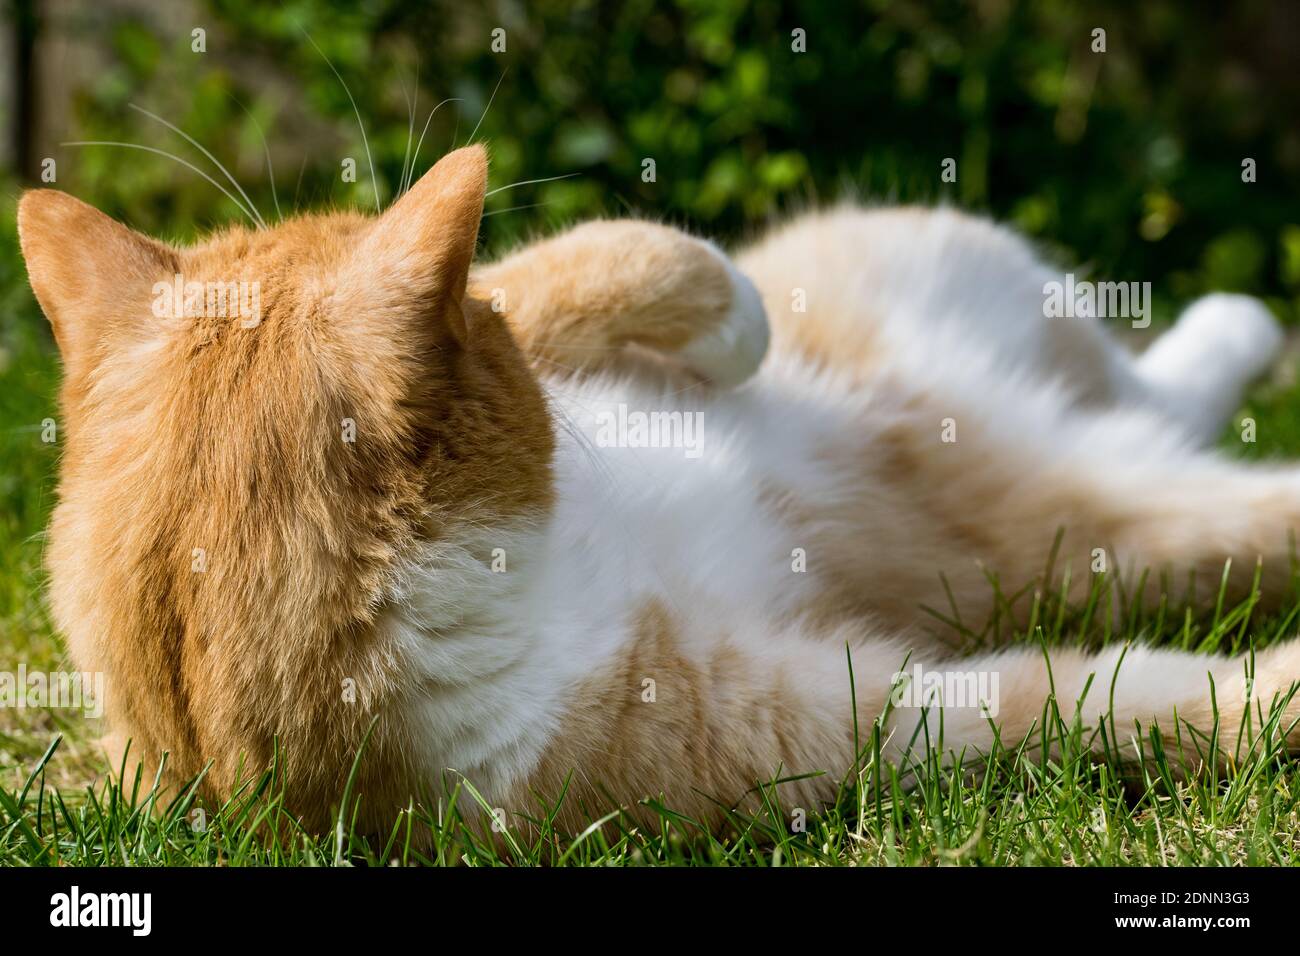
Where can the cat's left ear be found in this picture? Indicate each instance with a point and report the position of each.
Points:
(91, 274)
(425, 243)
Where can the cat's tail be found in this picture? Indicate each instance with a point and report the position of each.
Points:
(1125, 703)
(1199, 369)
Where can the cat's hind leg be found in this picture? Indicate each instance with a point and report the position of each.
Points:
(992, 468)
(849, 289)
(1198, 370)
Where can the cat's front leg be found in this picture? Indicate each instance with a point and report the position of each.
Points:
(593, 296)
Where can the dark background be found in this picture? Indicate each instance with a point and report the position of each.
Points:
(1127, 162)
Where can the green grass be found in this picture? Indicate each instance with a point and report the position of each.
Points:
(1045, 801)
(57, 805)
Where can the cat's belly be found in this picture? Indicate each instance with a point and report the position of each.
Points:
(691, 497)
(681, 520)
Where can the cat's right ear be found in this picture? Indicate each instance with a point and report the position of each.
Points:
(420, 250)
(90, 273)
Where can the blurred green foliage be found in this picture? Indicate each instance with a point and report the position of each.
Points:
(1128, 160)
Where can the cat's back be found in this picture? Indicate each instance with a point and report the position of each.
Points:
(848, 286)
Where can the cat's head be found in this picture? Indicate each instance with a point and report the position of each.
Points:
(255, 430)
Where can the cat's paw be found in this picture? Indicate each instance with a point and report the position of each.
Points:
(1235, 332)
(727, 352)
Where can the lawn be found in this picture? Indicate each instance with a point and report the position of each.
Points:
(58, 806)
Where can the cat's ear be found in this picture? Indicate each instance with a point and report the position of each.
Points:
(89, 272)
(425, 243)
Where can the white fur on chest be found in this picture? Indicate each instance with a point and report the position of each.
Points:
(697, 527)
(497, 628)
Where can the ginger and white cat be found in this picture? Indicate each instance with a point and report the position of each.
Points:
(399, 517)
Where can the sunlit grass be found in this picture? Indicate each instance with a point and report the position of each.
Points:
(1028, 803)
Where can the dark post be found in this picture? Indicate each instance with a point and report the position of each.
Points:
(23, 133)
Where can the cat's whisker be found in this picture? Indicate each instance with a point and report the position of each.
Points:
(188, 165)
(266, 150)
(415, 160)
(573, 347)
(582, 441)
(200, 147)
(531, 205)
(298, 188)
(488, 107)
(365, 142)
(529, 182)
(560, 365)
(410, 128)
(576, 371)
